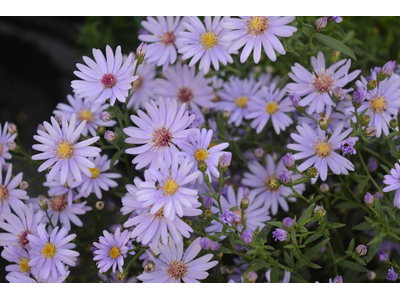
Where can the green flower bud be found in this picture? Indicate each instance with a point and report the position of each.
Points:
(149, 267)
(226, 114)
(274, 183)
(393, 123)
(372, 84)
(208, 213)
(244, 204)
(323, 123)
(369, 132)
(202, 166)
(335, 56)
(312, 172)
(319, 212)
(365, 119)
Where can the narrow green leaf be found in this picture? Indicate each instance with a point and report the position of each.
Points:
(334, 44)
(352, 266)
(306, 215)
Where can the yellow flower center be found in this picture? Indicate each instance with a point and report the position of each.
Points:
(242, 101)
(23, 265)
(114, 252)
(65, 150)
(257, 25)
(49, 250)
(86, 115)
(201, 154)
(3, 193)
(95, 172)
(177, 269)
(323, 149)
(170, 187)
(271, 108)
(209, 40)
(378, 104)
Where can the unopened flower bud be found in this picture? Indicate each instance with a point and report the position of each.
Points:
(369, 199)
(214, 246)
(190, 223)
(247, 236)
(280, 235)
(259, 152)
(205, 243)
(101, 130)
(321, 23)
(361, 250)
(12, 146)
(43, 203)
(335, 56)
(208, 213)
(338, 279)
(365, 119)
(99, 205)
(224, 161)
(387, 70)
(226, 114)
(393, 123)
(285, 178)
(288, 222)
(323, 123)
(110, 136)
(319, 212)
(141, 52)
(324, 187)
(202, 166)
(383, 256)
(369, 132)
(251, 276)
(105, 116)
(337, 94)
(371, 275)
(150, 267)
(121, 276)
(359, 97)
(295, 99)
(288, 161)
(312, 172)
(379, 195)
(23, 185)
(372, 84)
(207, 202)
(273, 183)
(244, 203)
(12, 128)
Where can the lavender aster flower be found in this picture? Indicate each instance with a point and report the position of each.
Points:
(255, 33)
(144, 86)
(62, 152)
(19, 256)
(50, 254)
(205, 243)
(111, 250)
(347, 146)
(105, 78)
(5, 137)
(229, 217)
(204, 42)
(280, 234)
(247, 236)
(393, 182)
(337, 279)
(158, 132)
(392, 275)
(174, 266)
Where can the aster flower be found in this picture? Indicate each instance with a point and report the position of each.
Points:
(347, 146)
(162, 39)
(10, 196)
(62, 152)
(167, 190)
(18, 256)
(18, 277)
(393, 182)
(320, 150)
(172, 266)
(100, 179)
(255, 215)
(270, 103)
(50, 254)
(272, 196)
(18, 226)
(382, 102)
(5, 138)
(111, 250)
(129, 201)
(105, 78)
(183, 84)
(392, 275)
(84, 111)
(255, 33)
(280, 234)
(158, 132)
(58, 189)
(235, 97)
(319, 85)
(197, 148)
(204, 42)
(144, 86)
(155, 228)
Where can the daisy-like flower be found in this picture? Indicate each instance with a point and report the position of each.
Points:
(270, 103)
(198, 149)
(183, 84)
(58, 189)
(20, 258)
(235, 97)
(50, 254)
(393, 182)
(144, 86)
(257, 33)
(320, 150)
(317, 87)
(167, 190)
(10, 196)
(155, 228)
(112, 250)
(5, 137)
(104, 79)
(100, 179)
(130, 205)
(162, 39)
(204, 43)
(19, 277)
(159, 132)
(17, 227)
(84, 111)
(62, 152)
(258, 179)
(382, 102)
(172, 266)
(255, 215)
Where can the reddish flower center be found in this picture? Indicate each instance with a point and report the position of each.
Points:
(22, 239)
(185, 94)
(58, 203)
(323, 83)
(177, 269)
(3, 193)
(168, 38)
(162, 137)
(160, 213)
(257, 25)
(108, 81)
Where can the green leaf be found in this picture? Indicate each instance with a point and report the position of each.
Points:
(221, 125)
(305, 261)
(351, 245)
(313, 238)
(393, 148)
(378, 208)
(236, 150)
(334, 44)
(274, 274)
(362, 226)
(372, 250)
(306, 215)
(352, 266)
(386, 169)
(225, 250)
(312, 252)
(116, 156)
(377, 239)
(335, 225)
(265, 231)
(232, 240)
(276, 224)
